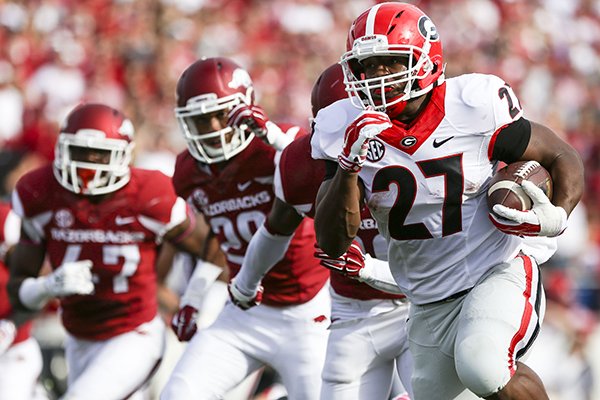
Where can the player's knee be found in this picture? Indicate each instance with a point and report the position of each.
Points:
(481, 365)
(177, 388)
(337, 373)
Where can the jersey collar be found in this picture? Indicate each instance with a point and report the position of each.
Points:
(409, 137)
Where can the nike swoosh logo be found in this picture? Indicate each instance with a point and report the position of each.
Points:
(124, 220)
(244, 186)
(437, 143)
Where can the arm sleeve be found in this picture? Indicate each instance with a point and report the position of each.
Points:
(377, 274)
(510, 142)
(264, 251)
(204, 275)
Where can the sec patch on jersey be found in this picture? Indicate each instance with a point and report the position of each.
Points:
(505, 187)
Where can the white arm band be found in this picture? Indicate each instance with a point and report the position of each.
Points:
(204, 275)
(33, 293)
(377, 274)
(264, 251)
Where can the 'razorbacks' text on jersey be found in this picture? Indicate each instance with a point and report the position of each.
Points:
(424, 181)
(235, 201)
(119, 235)
(297, 181)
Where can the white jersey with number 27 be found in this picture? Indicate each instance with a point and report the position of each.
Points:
(426, 184)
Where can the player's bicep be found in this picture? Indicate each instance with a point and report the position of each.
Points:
(545, 146)
(330, 170)
(283, 219)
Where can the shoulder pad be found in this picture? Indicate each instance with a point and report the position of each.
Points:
(329, 129)
(475, 103)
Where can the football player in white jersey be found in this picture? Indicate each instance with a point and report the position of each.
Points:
(367, 348)
(420, 150)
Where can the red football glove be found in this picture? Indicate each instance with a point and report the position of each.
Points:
(544, 218)
(356, 139)
(241, 300)
(184, 323)
(348, 264)
(249, 118)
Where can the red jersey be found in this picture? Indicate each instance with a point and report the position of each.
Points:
(119, 235)
(9, 233)
(297, 183)
(235, 201)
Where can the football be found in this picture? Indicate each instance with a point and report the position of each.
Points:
(505, 187)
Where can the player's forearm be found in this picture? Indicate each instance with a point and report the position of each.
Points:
(32, 294)
(204, 275)
(377, 274)
(567, 175)
(337, 216)
(562, 161)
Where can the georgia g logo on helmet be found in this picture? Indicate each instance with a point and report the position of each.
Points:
(427, 29)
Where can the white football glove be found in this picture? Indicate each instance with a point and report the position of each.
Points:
(8, 331)
(365, 127)
(244, 301)
(70, 278)
(544, 218)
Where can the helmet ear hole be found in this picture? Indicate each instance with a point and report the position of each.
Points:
(356, 69)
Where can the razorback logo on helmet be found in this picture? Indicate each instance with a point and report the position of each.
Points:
(127, 129)
(240, 78)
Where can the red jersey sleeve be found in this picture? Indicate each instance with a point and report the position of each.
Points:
(298, 176)
(161, 209)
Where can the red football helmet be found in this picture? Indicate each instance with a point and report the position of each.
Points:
(105, 137)
(328, 88)
(207, 86)
(392, 29)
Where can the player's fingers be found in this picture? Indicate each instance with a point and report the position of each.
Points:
(509, 213)
(537, 195)
(329, 265)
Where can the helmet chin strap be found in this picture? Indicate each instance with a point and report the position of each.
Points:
(396, 109)
(85, 176)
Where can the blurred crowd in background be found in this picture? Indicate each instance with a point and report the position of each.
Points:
(129, 54)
